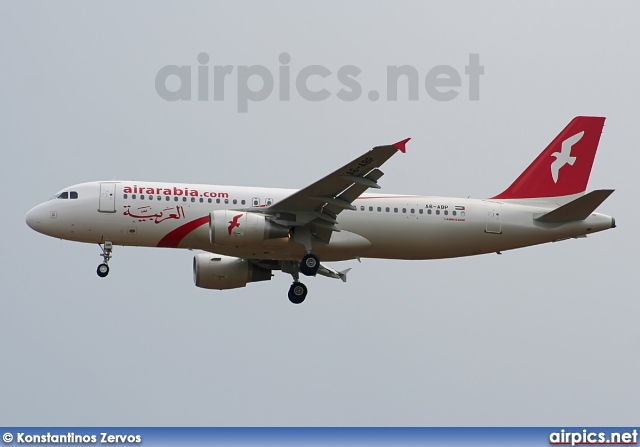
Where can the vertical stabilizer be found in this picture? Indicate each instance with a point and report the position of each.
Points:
(563, 168)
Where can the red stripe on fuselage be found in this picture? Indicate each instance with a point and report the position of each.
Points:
(173, 238)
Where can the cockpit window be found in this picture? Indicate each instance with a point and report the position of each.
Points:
(66, 195)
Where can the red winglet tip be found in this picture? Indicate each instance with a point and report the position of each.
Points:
(400, 145)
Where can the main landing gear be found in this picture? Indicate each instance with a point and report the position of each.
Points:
(103, 269)
(297, 291)
(309, 267)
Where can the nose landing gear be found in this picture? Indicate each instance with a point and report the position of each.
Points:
(103, 269)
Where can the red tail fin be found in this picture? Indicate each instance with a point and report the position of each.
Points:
(563, 168)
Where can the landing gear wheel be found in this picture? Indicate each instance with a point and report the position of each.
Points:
(107, 248)
(309, 265)
(297, 292)
(103, 270)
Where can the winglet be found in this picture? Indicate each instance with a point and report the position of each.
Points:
(331, 273)
(343, 274)
(400, 145)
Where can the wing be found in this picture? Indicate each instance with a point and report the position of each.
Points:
(319, 204)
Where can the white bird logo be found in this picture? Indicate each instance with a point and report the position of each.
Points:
(564, 156)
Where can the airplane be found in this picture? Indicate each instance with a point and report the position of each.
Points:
(246, 233)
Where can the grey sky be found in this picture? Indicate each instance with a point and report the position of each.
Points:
(540, 336)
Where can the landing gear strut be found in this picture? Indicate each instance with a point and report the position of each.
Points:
(310, 262)
(103, 269)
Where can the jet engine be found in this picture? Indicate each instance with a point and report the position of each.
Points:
(211, 271)
(235, 228)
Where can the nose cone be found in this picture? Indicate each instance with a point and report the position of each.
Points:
(31, 219)
(35, 218)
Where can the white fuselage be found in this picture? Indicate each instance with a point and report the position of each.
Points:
(155, 214)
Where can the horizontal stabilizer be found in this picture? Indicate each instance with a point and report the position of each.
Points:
(578, 209)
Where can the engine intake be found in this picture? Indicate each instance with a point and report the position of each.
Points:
(211, 271)
(234, 228)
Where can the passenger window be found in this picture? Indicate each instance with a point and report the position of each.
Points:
(453, 212)
(235, 201)
(243, 201)
(428, 211)
(413, 211)
(150, 197)
(387, 209)
(404, 210)
(168, 198)
(217, 200)
(124, 196)
(175, 199)
(73, 195)
(420, 211)
(201, 200)
(184, 199)
(209, 200)
(362, 208)
(226, 201)
(438, 212)
(446, 213)
(370, 208)
(462, 213)
(379, 209)
(193, 199)
(133, 196)
(159, 198)
(395, 210)
(141, 197)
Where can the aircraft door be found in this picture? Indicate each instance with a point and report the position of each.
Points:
(107, 203)
(494, 225)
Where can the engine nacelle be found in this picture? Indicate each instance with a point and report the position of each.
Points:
(211, 271)
(234, 228)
